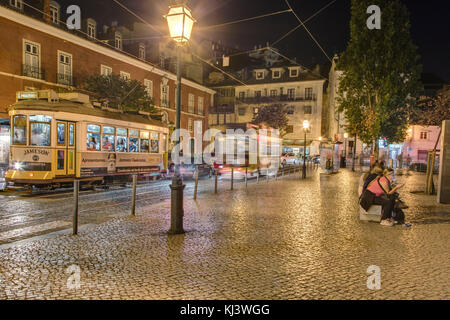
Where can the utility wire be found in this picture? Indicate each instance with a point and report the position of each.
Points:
(246, 19)
(298, 26)
(287, 2)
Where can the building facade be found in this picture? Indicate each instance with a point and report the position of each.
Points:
(43, 54)
(297, 89)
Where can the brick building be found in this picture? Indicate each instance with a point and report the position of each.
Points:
(39, 52)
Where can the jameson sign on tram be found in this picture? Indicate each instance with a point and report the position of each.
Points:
(97, 164)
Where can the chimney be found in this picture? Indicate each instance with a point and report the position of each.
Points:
(46, 10)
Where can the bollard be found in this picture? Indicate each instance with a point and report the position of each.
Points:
(232, 178)
(76, 189)
(196, 183)
(282, 172)
(257, 177)
(246, 173)
(267, 175)
(133, 197)
(215, 181)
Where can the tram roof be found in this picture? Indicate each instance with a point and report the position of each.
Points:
(83, 109)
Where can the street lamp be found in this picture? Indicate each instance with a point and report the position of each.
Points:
(344, 158)
(305, 129)
(180, 22)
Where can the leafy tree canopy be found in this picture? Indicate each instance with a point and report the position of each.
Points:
(380, 73)
(431, 111)
(120, 93)
(274, 115)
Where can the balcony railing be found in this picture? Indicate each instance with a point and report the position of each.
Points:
(33, 72)
(66, 79)
(279, 98)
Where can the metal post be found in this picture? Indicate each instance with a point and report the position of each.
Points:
(257, 177)
(76, 189)
(196, 183)
(215, 180)
(177, 186)
(232, 177)
(133, 197)
(246, 173)
(304, 158)
(267, 174)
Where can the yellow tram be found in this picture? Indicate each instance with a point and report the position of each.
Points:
(56, 138)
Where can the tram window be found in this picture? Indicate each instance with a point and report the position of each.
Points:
(134, 133)
(108, 130)
(93, 142)
(145, 145)
(134, 144)
(145, 135)
(71, 134)
(93, 128)
(122, 132)
(108, 139)
(40, 118)
(40, 134)
(61, 133)
(154, 142)
(121, 144)
(20, 130)
(108, 143)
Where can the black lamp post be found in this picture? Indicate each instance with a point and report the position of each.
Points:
(180, 23)
(305, 129)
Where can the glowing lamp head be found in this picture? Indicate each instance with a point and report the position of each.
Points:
(306, 124)
(180, 23)
(346, 135)
(17, 166)
(320, 138)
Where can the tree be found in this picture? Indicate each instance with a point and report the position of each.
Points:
(431, 111)
(120, 93)
(380, 73)
(274, 115)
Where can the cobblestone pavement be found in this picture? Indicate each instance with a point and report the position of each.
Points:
(285, 239)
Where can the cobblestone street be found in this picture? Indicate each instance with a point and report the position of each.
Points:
(284, 239)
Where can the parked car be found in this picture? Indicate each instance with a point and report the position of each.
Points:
(289, 158)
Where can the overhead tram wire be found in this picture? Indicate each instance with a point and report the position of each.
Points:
(134, 14)
(246, 19)
(310, 34)
(298, 26)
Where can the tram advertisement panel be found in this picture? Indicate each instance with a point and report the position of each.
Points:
(32, 159)
(95, 164)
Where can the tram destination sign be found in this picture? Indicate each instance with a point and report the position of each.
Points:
(102, 163)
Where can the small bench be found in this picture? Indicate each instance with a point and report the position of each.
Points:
(374, 214)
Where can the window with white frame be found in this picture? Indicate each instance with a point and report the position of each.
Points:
(32, 59)
(164, 95)
(142, 51)
(191, 103)
(148, 84)
(276, 74)
(293, 73)
(54, 12)
(125, 75)
(118, 41)
(308, 93)
(273, 93)
(291, 94)
(105, 70)
(91, 29)
(18, 4)
(259, 75)
(65, 68)
(200, 106)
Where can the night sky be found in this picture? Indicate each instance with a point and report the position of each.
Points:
(430, 25)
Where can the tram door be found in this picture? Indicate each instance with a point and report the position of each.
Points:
(65, 148)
